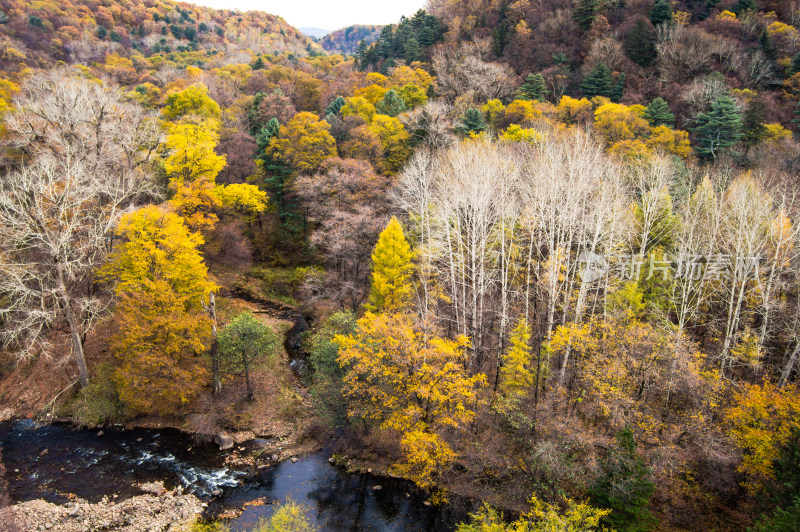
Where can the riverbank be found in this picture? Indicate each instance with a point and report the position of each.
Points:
(160, 480)
(157, 510)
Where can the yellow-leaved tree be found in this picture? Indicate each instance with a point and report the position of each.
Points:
(157, 344)
(192, 166)
(246, 200)
(157, 245)
(408, 379)
(161, 329)
(394, 139)
(543, 517)
(763, 420)
(191, 101)
(303, 143)
(515, 377)
(391, 288)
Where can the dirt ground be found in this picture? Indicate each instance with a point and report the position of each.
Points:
(281, 412)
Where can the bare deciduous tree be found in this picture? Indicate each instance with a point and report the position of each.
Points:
(84, 163)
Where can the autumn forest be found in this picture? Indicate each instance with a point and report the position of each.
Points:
(546, 253)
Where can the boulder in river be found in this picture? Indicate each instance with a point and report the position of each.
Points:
(223, 440)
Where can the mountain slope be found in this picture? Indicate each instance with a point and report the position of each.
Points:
(346, 40)
(36, 34)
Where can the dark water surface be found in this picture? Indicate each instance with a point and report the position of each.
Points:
(49, 462)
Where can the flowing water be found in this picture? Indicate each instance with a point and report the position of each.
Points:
(52, 461)
(49, 462)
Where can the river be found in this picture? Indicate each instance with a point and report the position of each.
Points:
(51, 461)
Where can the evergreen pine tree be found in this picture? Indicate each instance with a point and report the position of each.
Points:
(744, 5)
(584, 13)
(719, 128)
(753, 130)
(264, 136)
(277, 176)
(618, 88)
(796, 120)
(658, 113)
(515, 377)
(640, 43)
(472, 122)
(391, 104)
(769, 48)
(598, 82)
(624, 487)
(335, 106)
(794, 68)
(361, 52)
(413, 52)
(426, 36)
(391, 270)
(534, 88)
(661, 12)
(258, 64)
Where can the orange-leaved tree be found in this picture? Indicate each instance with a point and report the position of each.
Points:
(157, 343)
(161, 329)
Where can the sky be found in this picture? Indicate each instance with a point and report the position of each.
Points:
(325, 14)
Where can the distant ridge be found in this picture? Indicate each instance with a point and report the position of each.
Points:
(316, 33)
(346, 40)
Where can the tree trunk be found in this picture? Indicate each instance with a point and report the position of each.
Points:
(787, 370)
(74, 328)
(212, 312)
(247, 379)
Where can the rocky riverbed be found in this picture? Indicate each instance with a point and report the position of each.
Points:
(157, 510)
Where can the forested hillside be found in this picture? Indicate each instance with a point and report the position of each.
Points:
(347, 40)
(37, 34)
(550, 250)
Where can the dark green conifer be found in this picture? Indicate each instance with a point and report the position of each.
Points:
(335, 106)
(599, 82)
(585, 13)
(661, 12)
(744, 5)
(391, 104)
(769, 48)
(413, 52)
(753, 130)
(718, 128)
(640, 43)
(624, 487)
(258, 64)
(534, 88)
(658, 113)
(794, 68)
(472, 122)
(618, 88)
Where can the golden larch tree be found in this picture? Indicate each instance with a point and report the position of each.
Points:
(408, 379)
(391, 270)
(515, 377)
